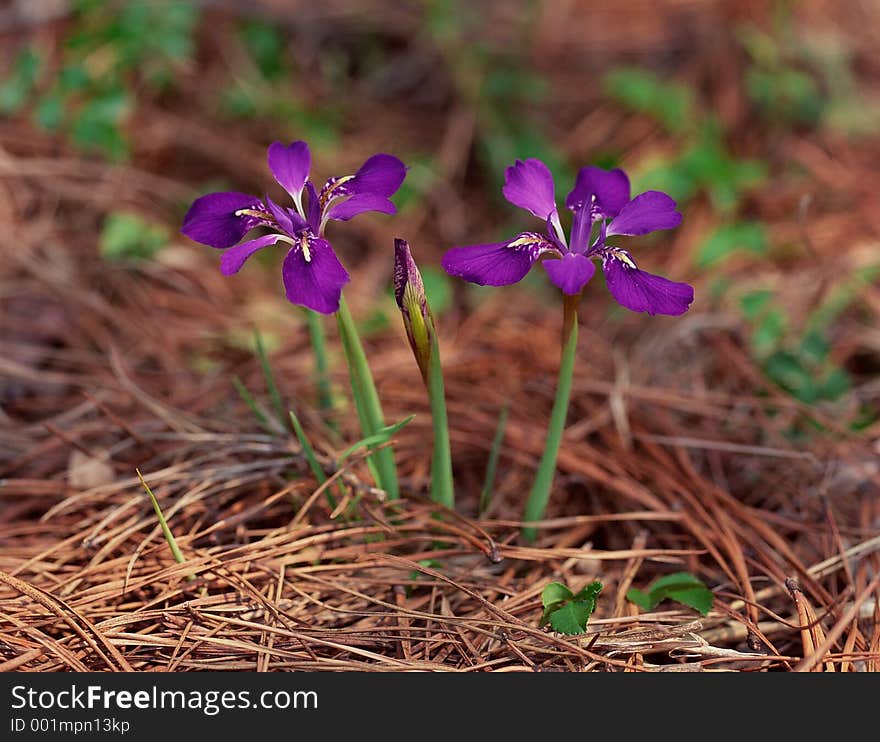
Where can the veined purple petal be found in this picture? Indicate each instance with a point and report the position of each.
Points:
(571, 272)
(313, 276)
(234, 258)
(644, 292)
(609, 187)
(647, 212)
(529, 185)
(360, 203)
(313, 210)
(289, 221)
(406, 274)
(380, 175)
(290, 166)
(212, 218)
(581, 227)
(498, 263)
(597, 194)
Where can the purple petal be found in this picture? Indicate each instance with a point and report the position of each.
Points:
(212, 219)
(406, 273)
(314, 277)
(234, 258)
(581, 226)
(571, 273)
(313, 210)
(289, 221)
(498, 263)
(380, 175)
(290, 165)
(597, 194)
(610, 188)
(529, 185)
(647, 212)
(645, 292)
(360, 203)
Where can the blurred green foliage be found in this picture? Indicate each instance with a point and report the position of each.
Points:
(800, 359)
(265, 88)
(704, 166)
(16, 89)
(265, 43)
(704, 163)
(729, 239)
(498, 84)
(776, 82)
(797, 78)
(110, 55)
(127, 236)
(670, 103)
(783, 82)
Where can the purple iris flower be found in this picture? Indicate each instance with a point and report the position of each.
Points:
(312, 274)
(600, 199)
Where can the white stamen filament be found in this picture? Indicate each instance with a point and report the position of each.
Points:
(298, 200)
(557, 225)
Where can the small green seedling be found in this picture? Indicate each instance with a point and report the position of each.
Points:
(681, 587)
(568, 612)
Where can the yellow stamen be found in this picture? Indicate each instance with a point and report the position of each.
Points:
(304, 245)
(327, 195)
(624, 258)
(522, 242)
(250, 212)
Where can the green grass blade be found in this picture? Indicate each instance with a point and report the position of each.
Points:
(492, 463)
(309, 453)
(366, 400)
(540, 493)
(377, 439)
(274, 394)
(163, 524)
(249, 400)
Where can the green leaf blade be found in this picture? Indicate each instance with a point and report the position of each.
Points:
(555, 593)
(567, 612)
(682, 587)
(572, 617)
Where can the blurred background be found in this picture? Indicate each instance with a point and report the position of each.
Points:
(759, 116)
(738, 442)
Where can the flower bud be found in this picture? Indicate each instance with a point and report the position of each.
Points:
(409, 291)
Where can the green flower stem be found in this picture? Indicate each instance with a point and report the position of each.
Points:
(441, 463)
(540, 494)
(366, 401)
(319, 348)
